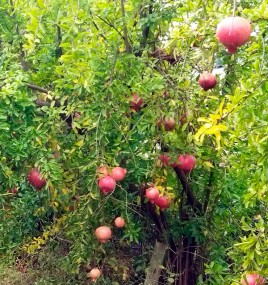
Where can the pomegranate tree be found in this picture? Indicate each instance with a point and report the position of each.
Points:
(103, 234)
(118, 173)
(94, 274)
(207, 81)
(233, 32)
(252, 279)
(186, 162)
(119, 222)
(107, 184)
(36, 180)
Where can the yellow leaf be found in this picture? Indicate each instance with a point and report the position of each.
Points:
(80, 143)
(209, 164)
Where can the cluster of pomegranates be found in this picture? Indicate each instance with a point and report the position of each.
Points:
(103, 234)
(108, 178)
(185, 162)
(232, 32)
(153, 195)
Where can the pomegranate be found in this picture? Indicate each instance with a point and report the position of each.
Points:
(94, 274)
(118, 173)
(233, 32)
(119, 222)
(207, 81)
(183, 119)
(186, 162)
(152, 193)
(168, 123)
(252, 279)
(162, 202)
(107, 184)
(13, 191)
(36, 180)
(164, 159)
(102, 171)
(103, 234)
(136, 102)
(166, 95)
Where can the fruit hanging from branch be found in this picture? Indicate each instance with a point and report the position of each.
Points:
(167, 123)
(162, 202)
(103, 234)
(233, 32)
(107, 184)
(151, 194)
(186, 162)
(118, 173)
(102, 171)
(36, 179)
(94, 274)
(252, 279)
(207, 81)
(136, 102)
(119, 222)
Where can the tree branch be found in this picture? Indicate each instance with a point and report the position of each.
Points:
(112, 26)
(208, 190)
(187, 189)
(127, 44)
(37, 88)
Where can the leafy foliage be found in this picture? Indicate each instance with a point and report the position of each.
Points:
(68, 71)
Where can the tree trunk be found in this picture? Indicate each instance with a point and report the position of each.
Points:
(157, 259)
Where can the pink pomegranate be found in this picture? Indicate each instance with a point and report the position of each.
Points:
(103, 234)
(107, 184)
(151, 193)
(162, 202)
(186, 162)
(36, 180)
(136, 102)
(169, 124)
(94, 274)
(164, 159)
(119, 222)
(102, 171)
(118, 173)
(233, 32)
(207, 81)
(252, 279)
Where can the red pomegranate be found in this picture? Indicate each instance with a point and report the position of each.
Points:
(13, 191)
(162, 202)
(94, 274)
(207, 81)
(152, 193)
(136, 102)
(118, 173)
(103, 234)
(252, 279)
(36, 180)
(107, 184)
(183, 119)
(164, 159)
(169, 124)
(102, 171)
(233, 32)
(186, 162)
(119, 222)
